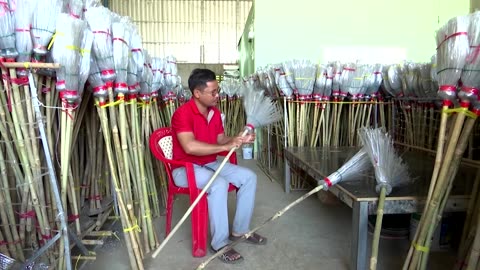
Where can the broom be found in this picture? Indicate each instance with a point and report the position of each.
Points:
(66, 52)
(390, 171)
(7, 31)
(99, 19)
(23, 40)
(260, 111)
(452, 51)
(348, 171)
(43, 25)
(304, 72)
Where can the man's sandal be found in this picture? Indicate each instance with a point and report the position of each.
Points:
(230, 256)
(254, 238)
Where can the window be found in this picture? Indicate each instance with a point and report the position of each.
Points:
(194, 31)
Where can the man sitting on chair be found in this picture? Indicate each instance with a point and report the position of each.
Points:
(198, 136)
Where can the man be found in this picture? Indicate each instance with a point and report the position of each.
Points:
(198, 136)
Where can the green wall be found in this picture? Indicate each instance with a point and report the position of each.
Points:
(319, 30)
(246, 47)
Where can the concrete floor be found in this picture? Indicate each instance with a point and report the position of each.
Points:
(309, 236)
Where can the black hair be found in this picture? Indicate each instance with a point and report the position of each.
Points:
(199, 77)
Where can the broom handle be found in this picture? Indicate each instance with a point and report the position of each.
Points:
(190, 209)
(460, 149)
(272, 218)
(442, 184)
(31, 65)
(438, 164)
(378, 228)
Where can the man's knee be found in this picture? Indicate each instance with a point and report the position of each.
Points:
(251, 176)
(219, 185)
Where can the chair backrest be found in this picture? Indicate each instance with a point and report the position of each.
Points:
(161, 143)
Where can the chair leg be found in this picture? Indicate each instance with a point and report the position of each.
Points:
(199, 220)
(168, 225)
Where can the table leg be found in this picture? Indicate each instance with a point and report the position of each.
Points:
(359, 235)
(287, 176)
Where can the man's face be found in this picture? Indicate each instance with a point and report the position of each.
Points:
(210, 95)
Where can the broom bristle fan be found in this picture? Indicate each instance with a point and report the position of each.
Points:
(354, 166)
(390, 171)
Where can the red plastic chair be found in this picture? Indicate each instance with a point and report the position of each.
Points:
(161, 147)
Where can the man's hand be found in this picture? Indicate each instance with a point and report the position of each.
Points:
(249, 138)
(236, 141)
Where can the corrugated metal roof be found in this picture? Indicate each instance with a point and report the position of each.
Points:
(195, 31)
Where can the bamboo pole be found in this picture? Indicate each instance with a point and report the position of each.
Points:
(131, 243)
(29, 65)
(378, 229)
(439, 187)
(433, 181)
(459, 150)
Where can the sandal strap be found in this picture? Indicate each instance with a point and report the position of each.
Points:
(229, 255)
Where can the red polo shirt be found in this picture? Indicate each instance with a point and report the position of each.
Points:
(187, 118)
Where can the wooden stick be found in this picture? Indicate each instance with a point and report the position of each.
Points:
(33, 65)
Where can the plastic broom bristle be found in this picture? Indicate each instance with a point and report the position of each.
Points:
(100, 21)
(65, 52)
(23, 39)
(304, 72)
(121, 50)
(7, 32)
(452, 50)
(44, 23)
(260, 109)
(390, 170)
(357, 164)
(471, 72)
(85, 55)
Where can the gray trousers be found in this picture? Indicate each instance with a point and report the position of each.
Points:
(217, 194)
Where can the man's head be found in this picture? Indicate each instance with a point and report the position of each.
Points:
(199, 78)
(204, 86)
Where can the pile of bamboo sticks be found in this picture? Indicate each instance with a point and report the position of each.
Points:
(97, 138)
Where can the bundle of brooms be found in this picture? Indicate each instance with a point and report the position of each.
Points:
(452, 51)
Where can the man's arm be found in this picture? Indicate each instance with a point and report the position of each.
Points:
(194, 147)
(224, 139)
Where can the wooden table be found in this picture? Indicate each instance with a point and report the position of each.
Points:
(359, 193)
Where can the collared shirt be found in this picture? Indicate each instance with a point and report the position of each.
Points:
(187, 118)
